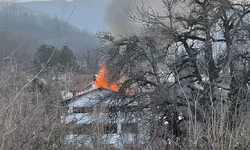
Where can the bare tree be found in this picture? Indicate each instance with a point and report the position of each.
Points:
(190, 61)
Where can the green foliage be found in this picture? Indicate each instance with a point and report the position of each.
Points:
(66, 57)
(44, 53)
(108, 37)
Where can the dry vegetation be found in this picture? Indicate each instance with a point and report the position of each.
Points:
(192, 86)
(30, 116)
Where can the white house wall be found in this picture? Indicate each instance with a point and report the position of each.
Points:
(92, 99)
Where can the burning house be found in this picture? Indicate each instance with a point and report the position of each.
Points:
(90, 124)
(82, 83)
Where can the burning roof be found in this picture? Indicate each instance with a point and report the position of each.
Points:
(101, 81)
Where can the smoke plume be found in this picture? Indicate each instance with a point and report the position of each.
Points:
(115, 15)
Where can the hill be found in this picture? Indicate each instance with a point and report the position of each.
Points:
(18, 22)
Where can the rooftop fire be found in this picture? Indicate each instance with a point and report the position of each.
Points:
(101, 81)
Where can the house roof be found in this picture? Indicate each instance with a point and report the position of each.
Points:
(79, 82)
(93, 97)
(101, 96)
(95, 93)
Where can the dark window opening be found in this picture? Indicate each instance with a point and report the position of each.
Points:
(124, 109)
(90, 128)
(129, 128)
(83, 129)
(94, 78)
(110, 128)
(83, 109)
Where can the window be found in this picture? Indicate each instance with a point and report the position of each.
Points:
(110, 128)
(102, 109)
(83, 129)
(123, 109)
(82, 109)
(129, 128)
(90, 128)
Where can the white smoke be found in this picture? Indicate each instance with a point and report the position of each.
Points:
(115, 15)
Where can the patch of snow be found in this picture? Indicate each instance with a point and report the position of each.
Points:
(66, 95)
(44, 81)
(80, 118)
(111, 139)
(171, 78)
(180, 117)
(83, 102)
(79, 140)
(166, 122)
(198, 86)
(205, 78)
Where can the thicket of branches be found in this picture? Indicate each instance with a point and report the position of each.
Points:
(188, 68)
(29, 113)
(188, 71)
(30, 106)
(63, 57)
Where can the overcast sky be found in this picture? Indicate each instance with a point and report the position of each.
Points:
(88, 14)
(91, 15)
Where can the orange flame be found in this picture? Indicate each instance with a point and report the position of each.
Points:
(101, 81)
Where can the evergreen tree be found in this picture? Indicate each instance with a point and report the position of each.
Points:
(44, 53)
(66, 57)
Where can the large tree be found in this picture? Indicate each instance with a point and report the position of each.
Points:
(66, 57)
(192, 61)
(46, 54)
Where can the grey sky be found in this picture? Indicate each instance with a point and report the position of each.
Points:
(91, 15)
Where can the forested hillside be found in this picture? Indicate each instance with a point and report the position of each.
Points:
(18, 23)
